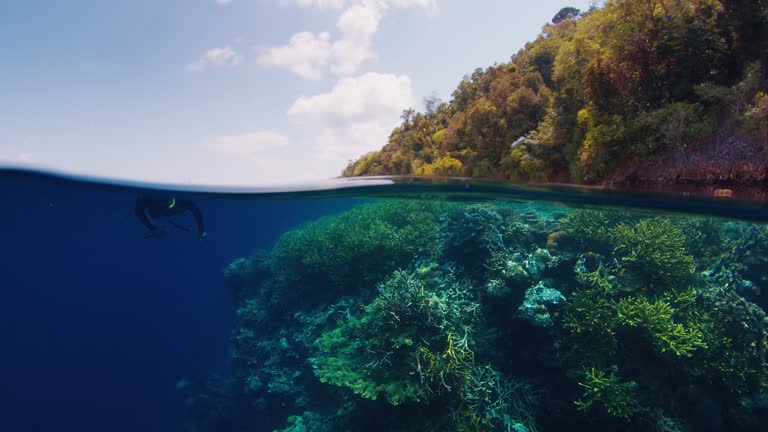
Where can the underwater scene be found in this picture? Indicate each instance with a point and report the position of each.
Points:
(392, 307)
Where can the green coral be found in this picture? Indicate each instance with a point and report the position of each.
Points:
(656, 318)
(489, 402)
(471, 234)
(591, 228)
(654, 249)
(590, 318)
(439, 342)
(607, 390)
(716, 338)
(410, 342)
(311, 421)
(356, 249)
(734, 331)
(704, 238)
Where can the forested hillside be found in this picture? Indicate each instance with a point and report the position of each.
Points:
(599, 94)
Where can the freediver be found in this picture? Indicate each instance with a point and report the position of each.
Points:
(158, 207)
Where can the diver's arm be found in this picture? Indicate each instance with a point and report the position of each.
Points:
(140, 211)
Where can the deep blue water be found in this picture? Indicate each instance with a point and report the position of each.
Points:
(97, 323)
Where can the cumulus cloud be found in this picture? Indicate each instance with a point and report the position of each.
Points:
(357, 115)
(305, 55)
(246, 145)
(357, 25)
(216, 57)
(308, 55)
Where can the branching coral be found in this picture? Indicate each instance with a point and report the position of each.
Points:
(748, 250)
(655, 250)
(607, 390)
(697, 334)
(355, 249)
(735, 332)
(411, 341)
(441, 372)
(656, 320)
(591, 228)
(471, 234)
(646, 339)
(491, 402)
(591, 320)
(704, 238)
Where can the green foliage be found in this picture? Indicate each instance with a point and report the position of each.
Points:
(444, 166)
(595, 94)
(564, 14)
(756, 118)
(410, 343)
(608, 391)
(357, 248)
(520, 164)
(654, 249)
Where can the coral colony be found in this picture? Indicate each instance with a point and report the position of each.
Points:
(433, 316)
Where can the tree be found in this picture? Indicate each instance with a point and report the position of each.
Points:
(432, 103)
(564, 14)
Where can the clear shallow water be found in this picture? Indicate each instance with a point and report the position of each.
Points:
(104, 329)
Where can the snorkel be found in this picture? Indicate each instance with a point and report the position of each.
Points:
(172, 202)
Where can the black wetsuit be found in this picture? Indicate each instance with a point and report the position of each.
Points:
(160, 207)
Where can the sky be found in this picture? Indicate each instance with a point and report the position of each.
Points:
(235, 92)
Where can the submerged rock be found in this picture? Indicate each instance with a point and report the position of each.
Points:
(540, 301)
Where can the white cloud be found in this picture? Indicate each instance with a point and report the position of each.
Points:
(357, 115)
(223, 2)
(246, 145)
(216, 57)
(305, 55)
(357, 25)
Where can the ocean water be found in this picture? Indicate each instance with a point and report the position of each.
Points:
(380, 305)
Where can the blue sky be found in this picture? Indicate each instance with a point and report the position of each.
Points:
(238, 92)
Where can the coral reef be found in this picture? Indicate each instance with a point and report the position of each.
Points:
(654, 249)
(603, 389)
(539, 304)
(410, 343)
(426, 316)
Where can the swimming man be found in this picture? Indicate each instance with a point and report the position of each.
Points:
(157, 207)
